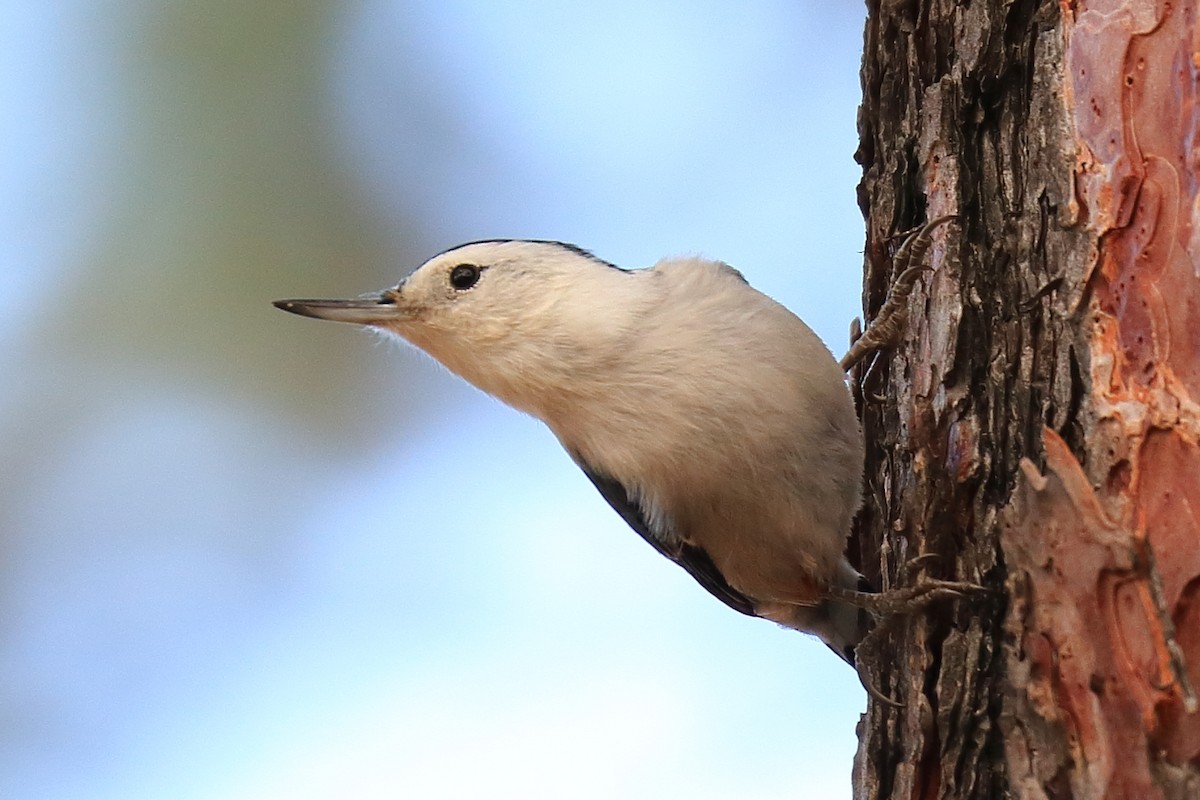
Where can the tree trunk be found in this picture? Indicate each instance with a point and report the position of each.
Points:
(1038, 430)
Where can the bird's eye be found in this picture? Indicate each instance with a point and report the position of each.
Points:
(464, 276)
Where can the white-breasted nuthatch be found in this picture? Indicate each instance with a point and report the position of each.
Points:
(709, 416)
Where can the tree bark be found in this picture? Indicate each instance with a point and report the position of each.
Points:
(1038, 430)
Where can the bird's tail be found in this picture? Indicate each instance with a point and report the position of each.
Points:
(840, 625)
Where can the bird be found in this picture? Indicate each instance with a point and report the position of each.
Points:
(711, 418)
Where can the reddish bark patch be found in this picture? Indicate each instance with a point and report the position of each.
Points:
(1132, 70)
(1092, 662)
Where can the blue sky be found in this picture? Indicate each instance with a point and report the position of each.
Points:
(248, 555)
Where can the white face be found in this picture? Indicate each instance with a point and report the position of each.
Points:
(512, 317)
(518, 319)
(483, 293)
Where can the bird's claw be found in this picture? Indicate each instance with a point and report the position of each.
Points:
(911, 568)
(907, 599)
(892, 320)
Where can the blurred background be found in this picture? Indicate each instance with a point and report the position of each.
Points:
(248, 555)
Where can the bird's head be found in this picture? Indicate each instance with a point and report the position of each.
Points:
(511, 316)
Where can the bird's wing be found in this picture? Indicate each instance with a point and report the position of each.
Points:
(692, 558)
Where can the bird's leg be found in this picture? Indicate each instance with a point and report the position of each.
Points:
(892, 319)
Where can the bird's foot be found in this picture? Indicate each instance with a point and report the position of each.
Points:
(888, 607)
(892, 320)
(907, 599)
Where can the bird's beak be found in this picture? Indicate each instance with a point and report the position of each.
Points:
(377, 309)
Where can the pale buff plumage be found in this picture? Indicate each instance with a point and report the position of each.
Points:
(720, 413)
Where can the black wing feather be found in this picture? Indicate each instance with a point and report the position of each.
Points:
(694, 559)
